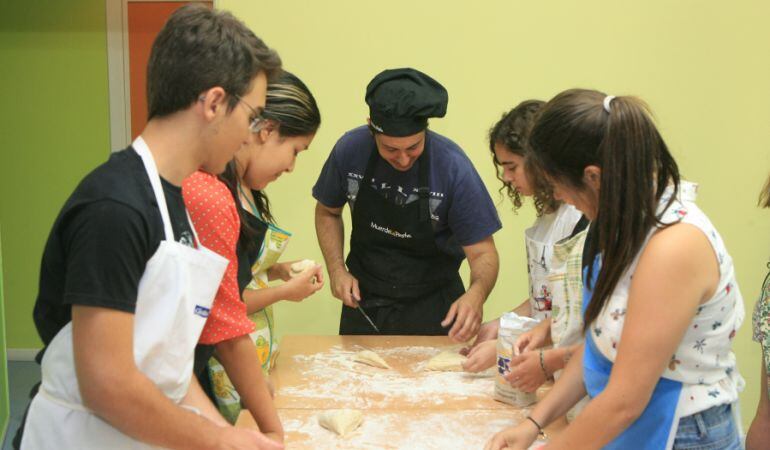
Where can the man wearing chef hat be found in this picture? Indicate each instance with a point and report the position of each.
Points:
(418, 209)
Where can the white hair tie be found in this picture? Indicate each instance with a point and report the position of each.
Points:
(607, 101)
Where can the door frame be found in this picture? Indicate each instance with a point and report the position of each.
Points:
(118, 69)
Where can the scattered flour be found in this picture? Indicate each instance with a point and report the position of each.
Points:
(438, 430)
(333, 375)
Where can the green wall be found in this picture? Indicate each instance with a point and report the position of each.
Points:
(4, 404)
(54, 128)
(701, 65)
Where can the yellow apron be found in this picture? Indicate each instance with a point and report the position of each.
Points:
(273, 246)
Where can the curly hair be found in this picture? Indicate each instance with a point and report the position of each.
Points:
(511, 133)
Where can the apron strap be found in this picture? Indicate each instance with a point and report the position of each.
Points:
(140, 146)
(152, 172)
(423, 189)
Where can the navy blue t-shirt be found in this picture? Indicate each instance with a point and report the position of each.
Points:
(462, 210)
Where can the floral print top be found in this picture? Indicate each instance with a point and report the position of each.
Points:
(704, 361)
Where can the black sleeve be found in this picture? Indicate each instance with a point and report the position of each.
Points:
(107, 246)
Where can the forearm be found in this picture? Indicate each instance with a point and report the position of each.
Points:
(484, 268)
(239, 358)
(198, 399)
(135, 406)
(524, 308)
(259, 299)
(564, 394)
(114, 389)
(611, 411)
(330, 231)
(558, 357)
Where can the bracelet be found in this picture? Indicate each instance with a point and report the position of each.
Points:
(540, 430)
(542, 365)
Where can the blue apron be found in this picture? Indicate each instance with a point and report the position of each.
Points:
(653, 428)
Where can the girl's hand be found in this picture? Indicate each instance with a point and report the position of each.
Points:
(526, 374)
(280, 271)
(303, 285)
(481, 357)
(487, 331)
(532, 339)
(518, 437)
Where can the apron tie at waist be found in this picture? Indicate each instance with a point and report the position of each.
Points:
(61, 402)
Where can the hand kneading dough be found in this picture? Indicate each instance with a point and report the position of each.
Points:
(341, 421)
(448, 361)
(301, 266)
(370, 358)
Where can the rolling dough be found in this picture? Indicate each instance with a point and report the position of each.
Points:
(370, 358)
(447, 361)
(301, 266)
(341, 421)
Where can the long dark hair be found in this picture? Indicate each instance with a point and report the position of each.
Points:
(292, 108)
(511, 133)
(573, 131)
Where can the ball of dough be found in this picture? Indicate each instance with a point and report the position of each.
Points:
(301, 266)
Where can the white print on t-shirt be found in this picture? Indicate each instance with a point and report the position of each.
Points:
(387, 230)
(186, 238)
(396, 193)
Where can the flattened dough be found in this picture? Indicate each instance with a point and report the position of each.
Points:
(446, 361)
(341, 421)
(370, 358)
(301, 266)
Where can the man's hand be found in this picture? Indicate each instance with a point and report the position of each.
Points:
(345, 287)
(466, 313)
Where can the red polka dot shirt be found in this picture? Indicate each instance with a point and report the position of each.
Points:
(215, 217)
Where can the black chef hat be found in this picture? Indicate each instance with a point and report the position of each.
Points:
(401, 101)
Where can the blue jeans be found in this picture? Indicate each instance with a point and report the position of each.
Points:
(712, 429)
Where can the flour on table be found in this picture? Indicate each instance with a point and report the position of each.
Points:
(334, 376)
(446, 430)
(370, 358)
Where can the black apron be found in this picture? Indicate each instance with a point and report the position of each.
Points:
(407, 283)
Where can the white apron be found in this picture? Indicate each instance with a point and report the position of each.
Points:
(174, 297)
(539, 240)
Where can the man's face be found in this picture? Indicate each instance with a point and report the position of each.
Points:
(232, 128)
(400, 152)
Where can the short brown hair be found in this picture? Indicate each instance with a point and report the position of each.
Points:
(200, 48)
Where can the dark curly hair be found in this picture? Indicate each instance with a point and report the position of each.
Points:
(511, 132)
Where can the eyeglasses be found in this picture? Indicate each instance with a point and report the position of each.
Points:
(258, 122)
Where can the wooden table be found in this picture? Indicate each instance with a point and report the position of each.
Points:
(404, 408)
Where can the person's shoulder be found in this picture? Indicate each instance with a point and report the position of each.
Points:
(351, 151)
(205, 184)
(448, 150)
(207, 198)
(121, 179)
(353, 139)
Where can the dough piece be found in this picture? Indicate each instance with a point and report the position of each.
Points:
(341, 421)
(370, 358)
(300, 266)
(447, 361)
